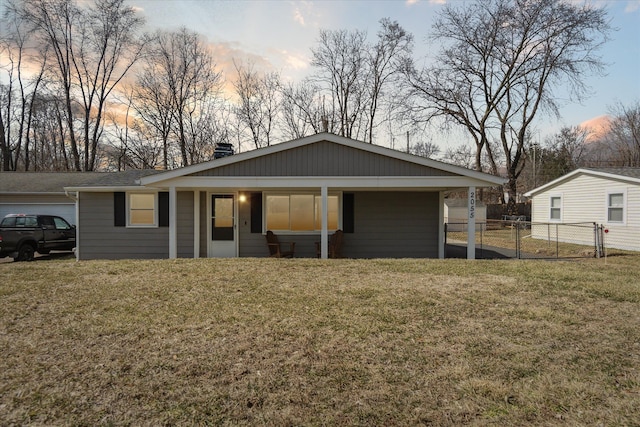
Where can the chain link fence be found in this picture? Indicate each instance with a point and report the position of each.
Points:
(517, 238)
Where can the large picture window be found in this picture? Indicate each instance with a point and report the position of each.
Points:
(142, 209)
(300, 212)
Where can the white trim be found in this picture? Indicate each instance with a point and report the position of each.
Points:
(324, 234)
(128, 195)
(570, 175)
(196, 224)
(236, 213)
(555, 196)
(441, 248)
(471, 223)
(173, 223)
(104, 189)
(77, 253)
(344, 182)
(609, 192)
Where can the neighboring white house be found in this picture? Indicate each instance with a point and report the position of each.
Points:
(608, 196)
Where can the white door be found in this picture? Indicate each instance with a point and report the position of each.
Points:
(222, 242)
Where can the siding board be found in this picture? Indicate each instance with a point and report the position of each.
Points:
(100, 239)
(324, 159)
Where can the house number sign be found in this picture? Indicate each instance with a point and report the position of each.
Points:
(472, 204)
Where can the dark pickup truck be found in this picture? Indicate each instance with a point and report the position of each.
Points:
(21, 235)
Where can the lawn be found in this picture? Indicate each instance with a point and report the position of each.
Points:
(313, 342)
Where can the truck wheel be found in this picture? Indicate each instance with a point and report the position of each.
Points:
(25, 253)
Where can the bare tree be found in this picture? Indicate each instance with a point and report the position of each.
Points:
(176, 91)
(340, 60)
(499, 68)
(259, 102)
(94, 47)
(624, 134)
(385, 60)
(302, 110)
(425, 149)
(20, 91)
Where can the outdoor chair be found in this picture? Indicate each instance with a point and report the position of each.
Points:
(335, 245)
(279, 249)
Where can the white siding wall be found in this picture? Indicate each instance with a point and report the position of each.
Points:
(584, 199)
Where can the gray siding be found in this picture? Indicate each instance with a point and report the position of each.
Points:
(394, 225)
(99, 239)
(185, 224)
(387, 225)
(324, 159)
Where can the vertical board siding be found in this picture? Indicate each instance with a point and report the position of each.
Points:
(100, 239)
(584, 200)
(324, 159)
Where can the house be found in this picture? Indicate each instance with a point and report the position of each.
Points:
(388, 204)
(605, 196)
(41, 192)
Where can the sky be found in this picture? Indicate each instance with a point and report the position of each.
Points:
(278, 35)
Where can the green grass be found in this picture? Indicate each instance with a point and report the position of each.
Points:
(312, 342)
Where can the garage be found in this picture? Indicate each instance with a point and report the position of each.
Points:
(41, 192)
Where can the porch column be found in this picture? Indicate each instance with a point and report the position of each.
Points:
(324, 236)
(471, 224)
(173, 223)
(196, 224)
(441, 248)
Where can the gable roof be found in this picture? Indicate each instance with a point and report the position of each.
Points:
(629, 174)
(414, 165)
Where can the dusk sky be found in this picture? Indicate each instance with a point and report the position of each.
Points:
(278, 35)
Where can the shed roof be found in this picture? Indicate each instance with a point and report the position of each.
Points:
(627, 174)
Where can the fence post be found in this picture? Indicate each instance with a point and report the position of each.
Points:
(517, 227)
(557, 243)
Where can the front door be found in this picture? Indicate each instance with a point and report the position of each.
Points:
(223, 230)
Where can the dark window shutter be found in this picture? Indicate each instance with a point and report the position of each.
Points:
(163, 209)
(348, 214)
(256, 212)
(119, 209)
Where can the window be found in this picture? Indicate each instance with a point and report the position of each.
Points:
(555, 208)
(615, 207)
(61, 224)
(300, 212)
(142, 209)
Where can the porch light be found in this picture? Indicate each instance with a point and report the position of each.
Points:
(242, 198)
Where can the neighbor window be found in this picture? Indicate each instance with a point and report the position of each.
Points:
(555, 208)
(299, 212)
(142, 209)
(615, 207)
